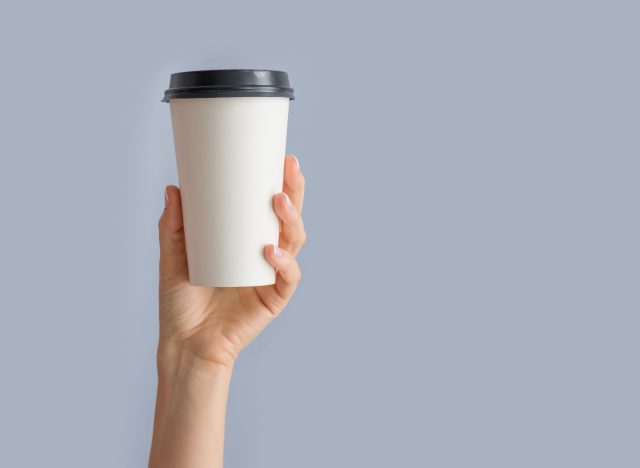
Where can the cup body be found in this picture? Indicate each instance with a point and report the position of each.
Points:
(230, 155)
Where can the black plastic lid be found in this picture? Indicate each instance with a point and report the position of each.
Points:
(228, 83)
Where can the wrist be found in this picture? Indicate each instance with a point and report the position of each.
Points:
(175, 362)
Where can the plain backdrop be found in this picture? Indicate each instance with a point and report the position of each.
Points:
(470, 283)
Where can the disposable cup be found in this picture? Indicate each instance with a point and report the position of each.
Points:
(230, 130)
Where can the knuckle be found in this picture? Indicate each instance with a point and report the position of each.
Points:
(164, 224)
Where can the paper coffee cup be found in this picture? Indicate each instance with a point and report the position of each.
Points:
(230, 131)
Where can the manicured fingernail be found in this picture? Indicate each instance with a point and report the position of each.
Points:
(287, 200)
(166, 197)
(276, 251)
(297, 162)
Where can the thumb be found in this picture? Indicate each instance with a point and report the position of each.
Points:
(173, 253)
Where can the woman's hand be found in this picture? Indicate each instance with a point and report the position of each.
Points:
(203, 329)
(214, 324)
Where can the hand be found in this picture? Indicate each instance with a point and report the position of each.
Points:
(214, 324)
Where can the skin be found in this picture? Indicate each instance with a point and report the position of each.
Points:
(202, 330)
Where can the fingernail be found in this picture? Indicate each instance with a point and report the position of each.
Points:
(276, 251)
(297, 162)
(287, 199)
(166, 197)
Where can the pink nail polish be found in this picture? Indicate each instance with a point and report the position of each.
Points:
(297, 163)
(287, 199)
(276, 251)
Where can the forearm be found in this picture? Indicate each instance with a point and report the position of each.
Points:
(190, 412)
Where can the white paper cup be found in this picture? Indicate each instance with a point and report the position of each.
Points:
(230, 130)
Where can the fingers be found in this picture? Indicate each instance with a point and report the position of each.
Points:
(288, 207)
(294, 182)
(293, 234)
(173, 254)
(289, 273)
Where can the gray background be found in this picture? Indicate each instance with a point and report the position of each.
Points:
(470, 292)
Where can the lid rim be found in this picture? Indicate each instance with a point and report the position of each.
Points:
(228, 83)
